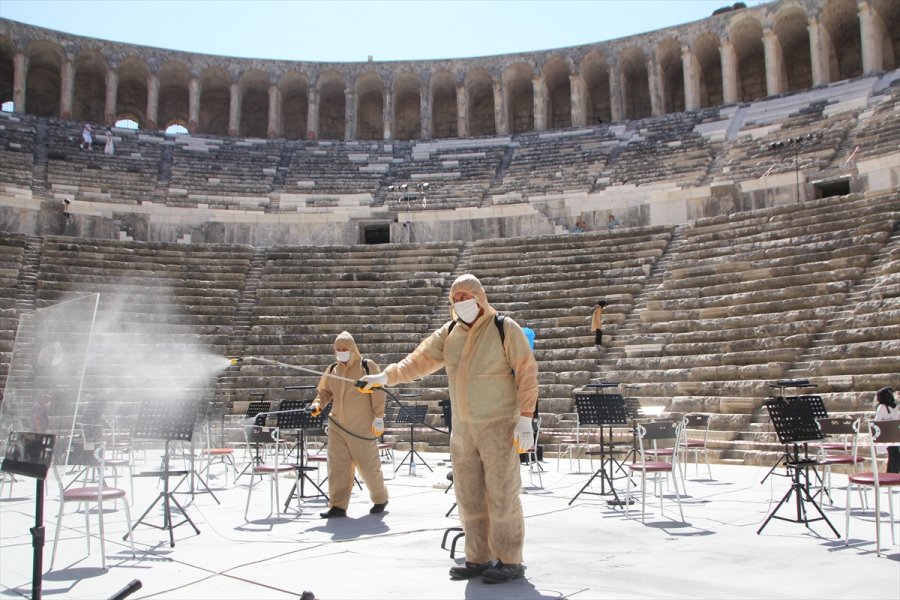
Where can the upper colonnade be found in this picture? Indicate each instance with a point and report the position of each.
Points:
(738, 56)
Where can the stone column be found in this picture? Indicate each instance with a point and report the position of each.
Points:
(20, 78)
(153, 102)
(774, 62)
(312, 113)
(578, 95)
(387, 113)
(274, 125)
(539, 97)
(234, 110)
(462, 111)
(194, 105)
(817, 57)
(499, 110)
(349, 115)
(871, 31)
(689, 73)
(729, 73)
(656, 87)
(66, 89)
(616, 107)
(425, 112)
(112, 93)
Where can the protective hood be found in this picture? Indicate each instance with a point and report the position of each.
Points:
(345, 339)
(469, 283)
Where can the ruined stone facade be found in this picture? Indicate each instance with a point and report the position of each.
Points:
(738, 56)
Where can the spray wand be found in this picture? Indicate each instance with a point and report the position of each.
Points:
(248, 360)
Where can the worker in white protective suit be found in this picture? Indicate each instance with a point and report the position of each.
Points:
(356, 421)
(493, 394)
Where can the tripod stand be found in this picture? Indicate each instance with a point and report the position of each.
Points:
(171, 420)
(30, 454)
(795, 425)
(604, 410)
(412, 415)
(295, 414)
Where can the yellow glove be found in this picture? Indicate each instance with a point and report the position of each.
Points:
(315, 409)
(378, 426)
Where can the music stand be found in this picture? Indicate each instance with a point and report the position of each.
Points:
(795, 425)
(781, 385)
(253, 410)
(604, 410)
(168, 420)
(295, 414)
(30, 454)
(412, 415)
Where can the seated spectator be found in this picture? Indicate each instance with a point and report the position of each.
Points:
(580, 226)
(612, 222)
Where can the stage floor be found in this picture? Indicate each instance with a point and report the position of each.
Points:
(584, 550)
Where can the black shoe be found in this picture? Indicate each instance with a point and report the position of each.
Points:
(503, 573)
(468, 570)
(378, 508)
(334, 511)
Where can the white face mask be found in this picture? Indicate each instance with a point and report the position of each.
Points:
(343, 356)
(467, 310)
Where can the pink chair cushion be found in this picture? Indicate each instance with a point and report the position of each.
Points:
(884, 479)
(272, 469)
(219, 451)
(695, 444)
(87, 494)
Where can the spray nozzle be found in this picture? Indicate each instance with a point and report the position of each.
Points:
(236, 361)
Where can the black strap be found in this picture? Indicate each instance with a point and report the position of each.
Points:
(498, 321)
(365, 366)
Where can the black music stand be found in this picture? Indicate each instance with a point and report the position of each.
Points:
(30, 454)
(254, 409)
(168, 420)
(781, 385)
(412, 415)
(795, 425)
(604, 410)
(295, 414)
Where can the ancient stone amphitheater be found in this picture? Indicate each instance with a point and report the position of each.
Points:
(752, 160)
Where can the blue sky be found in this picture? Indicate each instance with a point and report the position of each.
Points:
(347, 31)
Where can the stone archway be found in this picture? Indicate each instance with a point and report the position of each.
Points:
(174, 100)
(556, 76)
(131, 96)
(709, 62)
(254, 103)
(671, 75)
(747, 38)
(43, 83)
(89, 88)
(294, 106)
(480, 103)
(841, 36)
(369, 107)
(791, 30)
(635, 84)
(444, 111)
(332, 106)
(518, 92)
(407, 107)
(595, 72)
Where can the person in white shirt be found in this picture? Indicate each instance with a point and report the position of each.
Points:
(886, 410)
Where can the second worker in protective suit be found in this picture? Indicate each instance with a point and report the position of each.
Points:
(355, 422)
(493, 392)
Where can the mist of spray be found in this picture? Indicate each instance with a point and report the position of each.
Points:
(101, 357)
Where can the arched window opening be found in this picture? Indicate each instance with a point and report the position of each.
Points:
(127, 124)
(176, 129)
(8, 106)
